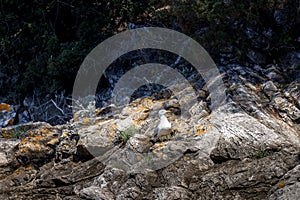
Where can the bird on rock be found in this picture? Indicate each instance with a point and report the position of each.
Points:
(164, 127)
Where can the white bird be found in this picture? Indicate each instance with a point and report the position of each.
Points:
(164, 128)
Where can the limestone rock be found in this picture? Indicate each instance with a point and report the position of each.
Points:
(171, 193)
(7, 150)
(94, 192)
(288, 186)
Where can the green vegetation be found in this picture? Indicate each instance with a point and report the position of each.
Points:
(228, 20)
(14, 132)
(19, 131)
(261, 154)
(43, 42)
(127, 133)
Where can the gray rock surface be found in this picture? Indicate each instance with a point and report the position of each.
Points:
(288, 186)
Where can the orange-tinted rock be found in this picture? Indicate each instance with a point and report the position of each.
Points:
(4, 107)
(35, 148)
(7, 115)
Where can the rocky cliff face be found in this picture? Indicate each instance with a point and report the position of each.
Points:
(247, 148)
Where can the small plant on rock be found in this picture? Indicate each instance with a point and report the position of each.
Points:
(261, 154)
(19, 131)
(126, 134)
(16, 132)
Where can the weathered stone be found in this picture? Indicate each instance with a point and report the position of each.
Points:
(284, 106)
(7, 115)
(288, 186)
(293, 92)
(170, 193)
(34, 146)
(112, 179)
(131, 192)
(269, 88)
(248, 179)
(257, 57)
(7, 150)
(96, 193)
(98, 139)
(140, 143)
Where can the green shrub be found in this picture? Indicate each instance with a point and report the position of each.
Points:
(127, 133)
(19, 131)
(42, 48)
(43, 43)
(261, 154)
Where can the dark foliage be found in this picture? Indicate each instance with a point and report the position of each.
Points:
(43, 42)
